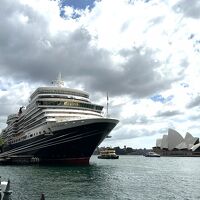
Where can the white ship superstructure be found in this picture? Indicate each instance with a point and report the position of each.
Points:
(49, 105)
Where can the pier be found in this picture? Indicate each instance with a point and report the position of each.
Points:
(19, 160)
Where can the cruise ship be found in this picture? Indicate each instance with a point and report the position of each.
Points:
(59, 125)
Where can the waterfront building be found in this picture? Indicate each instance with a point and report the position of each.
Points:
(173, 144)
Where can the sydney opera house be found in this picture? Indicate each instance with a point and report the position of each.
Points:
(173, 144)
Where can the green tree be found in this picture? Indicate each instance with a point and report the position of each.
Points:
(1, 141)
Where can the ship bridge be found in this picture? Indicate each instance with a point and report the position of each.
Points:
(59, 91)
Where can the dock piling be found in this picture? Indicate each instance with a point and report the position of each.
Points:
(42, 197)
(0, 188)
(7, 192)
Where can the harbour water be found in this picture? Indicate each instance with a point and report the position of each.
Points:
(129, 178)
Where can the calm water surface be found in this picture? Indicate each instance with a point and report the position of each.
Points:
(130, 177)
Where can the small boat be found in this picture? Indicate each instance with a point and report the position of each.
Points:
(151, 154)
(108, 153)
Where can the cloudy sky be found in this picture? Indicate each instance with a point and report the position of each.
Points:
(144, 53)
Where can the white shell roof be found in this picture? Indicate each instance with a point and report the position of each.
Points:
(182, 145)
(189, 139)
(174, 139)
(164, 142)
(159, 142)
(195, 147)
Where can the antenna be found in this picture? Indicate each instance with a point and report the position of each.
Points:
(59, 82)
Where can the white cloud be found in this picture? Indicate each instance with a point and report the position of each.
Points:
(146, 55)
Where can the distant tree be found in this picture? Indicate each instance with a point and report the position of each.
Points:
(1, 141)
(119, 151)
(129, 150)
(1, 144)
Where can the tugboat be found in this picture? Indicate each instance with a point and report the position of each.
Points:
(108, 153)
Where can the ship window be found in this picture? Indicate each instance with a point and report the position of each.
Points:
(31, 135)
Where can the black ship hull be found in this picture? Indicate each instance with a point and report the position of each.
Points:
(68, 145)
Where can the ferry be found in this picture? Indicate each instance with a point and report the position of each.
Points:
(152, 154)
(108, 153)
(59, 125)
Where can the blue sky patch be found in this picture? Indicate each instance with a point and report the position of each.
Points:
(63, 15)
(78, 4)
(184, 85)
(160, 98)
(3, 89)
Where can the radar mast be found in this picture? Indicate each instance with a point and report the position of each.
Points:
(107, 106)
(59, 82)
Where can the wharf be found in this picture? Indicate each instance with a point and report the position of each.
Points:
(22, 159)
